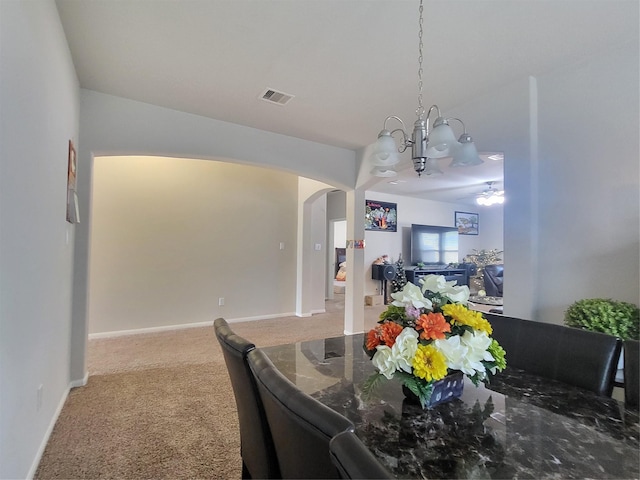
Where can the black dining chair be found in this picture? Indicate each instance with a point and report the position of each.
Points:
(574, 356)
(301, 426)
(353, 459)
(631, 373)
(256, 445)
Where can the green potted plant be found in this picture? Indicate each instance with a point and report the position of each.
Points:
(620, 319)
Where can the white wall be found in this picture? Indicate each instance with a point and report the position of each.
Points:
(589, 182)
(117, 126)
(38, 117)
(571, 148)
(170, 237)
(425, 212)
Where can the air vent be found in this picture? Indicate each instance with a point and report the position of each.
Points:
(273, 96)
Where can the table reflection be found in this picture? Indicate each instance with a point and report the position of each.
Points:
(520, 426)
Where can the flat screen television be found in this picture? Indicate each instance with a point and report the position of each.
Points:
(434, 245)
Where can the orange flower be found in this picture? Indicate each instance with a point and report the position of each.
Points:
(373, 339)
(433, 325)
(388, 332)
(384, 334)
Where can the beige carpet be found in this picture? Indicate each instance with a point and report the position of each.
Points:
(161, 405)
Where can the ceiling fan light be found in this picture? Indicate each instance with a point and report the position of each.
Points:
(441, 139)
(466, 153)
(385, 151)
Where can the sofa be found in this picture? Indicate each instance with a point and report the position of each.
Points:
(493, 280)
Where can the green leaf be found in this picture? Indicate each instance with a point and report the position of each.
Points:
(370, 385)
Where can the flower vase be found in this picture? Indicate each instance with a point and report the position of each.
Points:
(444, 390)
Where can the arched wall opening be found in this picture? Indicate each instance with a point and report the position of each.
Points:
(115, 126)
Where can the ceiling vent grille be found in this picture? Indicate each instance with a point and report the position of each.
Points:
(273, 96)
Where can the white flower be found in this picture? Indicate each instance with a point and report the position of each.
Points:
(477, 345)
(457, 293)
(435, 283)
(383, 360)
(404, 349)
(411, 294)
(449, 289)
(454, 351)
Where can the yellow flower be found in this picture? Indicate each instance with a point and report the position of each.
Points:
(429, 363)
(462, 315)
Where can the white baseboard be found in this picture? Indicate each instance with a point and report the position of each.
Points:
(80, 383)
(137, 331)
(45, 439)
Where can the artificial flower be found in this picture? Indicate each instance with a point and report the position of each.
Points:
(477, 344)
(429, 363)
(453, 350)
(384, 362)
(498, 354)
(411, 295)
(435, 283)
(428, 333)
(462, 315)
(388, 332)
(384, 334)
(373, 339)
(404, 349)
(433, 326)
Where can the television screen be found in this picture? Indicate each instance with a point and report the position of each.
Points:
(433, 245)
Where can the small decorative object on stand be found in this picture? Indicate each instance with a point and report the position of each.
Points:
(428, 334)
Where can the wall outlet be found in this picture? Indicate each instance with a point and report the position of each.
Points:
(281, 245)
(221, 302)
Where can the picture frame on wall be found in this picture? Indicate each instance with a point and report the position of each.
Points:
(381, 216)
(73, 214)
(467, 223)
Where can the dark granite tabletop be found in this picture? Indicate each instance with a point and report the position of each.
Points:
(519, 426)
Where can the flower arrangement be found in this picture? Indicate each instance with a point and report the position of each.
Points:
(427, 333)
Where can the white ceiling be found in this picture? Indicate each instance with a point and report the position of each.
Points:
(349, 63)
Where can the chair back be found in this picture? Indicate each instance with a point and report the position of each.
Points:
(353, 459)
(256, 445)
(574, 356)
(301, 426)
(631, 387)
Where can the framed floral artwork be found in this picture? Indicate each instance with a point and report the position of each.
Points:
(466, 223)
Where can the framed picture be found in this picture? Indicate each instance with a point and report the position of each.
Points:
(73, 215)
(381, 216)
(466, 223)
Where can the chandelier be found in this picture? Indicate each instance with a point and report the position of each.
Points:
(428, 142)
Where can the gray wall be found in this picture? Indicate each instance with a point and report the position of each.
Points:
(39, 115)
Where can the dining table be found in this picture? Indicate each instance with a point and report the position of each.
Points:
(517, 426)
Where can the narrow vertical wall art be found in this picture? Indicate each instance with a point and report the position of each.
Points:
(73, 213)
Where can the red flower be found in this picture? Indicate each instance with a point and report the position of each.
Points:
(433, 326)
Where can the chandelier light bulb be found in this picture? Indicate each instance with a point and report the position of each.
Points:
(385, 153)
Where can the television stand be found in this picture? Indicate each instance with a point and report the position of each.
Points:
(460, 275)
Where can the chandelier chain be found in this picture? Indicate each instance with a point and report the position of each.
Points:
(420, 110)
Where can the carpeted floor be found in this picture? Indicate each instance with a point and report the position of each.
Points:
(161, 405)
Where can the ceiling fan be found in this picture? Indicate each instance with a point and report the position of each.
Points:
(490, 196)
